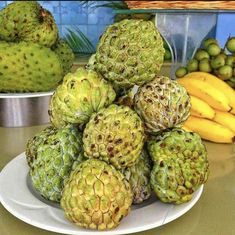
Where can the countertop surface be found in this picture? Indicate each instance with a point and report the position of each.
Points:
(214, 213)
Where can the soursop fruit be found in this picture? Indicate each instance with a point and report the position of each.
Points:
(180, 165)
(65, 54)
(115, 135)
(27, 21)
(28, 67)
(81, 94)
(162, 103)
(130, 52)
(51, 155)
(96, 196)
(138, 176)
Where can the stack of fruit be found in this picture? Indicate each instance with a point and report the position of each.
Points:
(98, 157)
(213, 59)
(32, 57)
(213, 107)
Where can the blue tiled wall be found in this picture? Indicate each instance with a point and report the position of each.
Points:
(90, 20)
(225, 27)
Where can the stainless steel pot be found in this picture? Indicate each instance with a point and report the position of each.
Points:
(24, 109)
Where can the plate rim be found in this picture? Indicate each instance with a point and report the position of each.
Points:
(26, 95)
(89, 231)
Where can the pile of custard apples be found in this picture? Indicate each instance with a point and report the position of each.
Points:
(115, 133)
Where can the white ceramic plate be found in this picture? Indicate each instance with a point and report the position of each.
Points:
(19, 198)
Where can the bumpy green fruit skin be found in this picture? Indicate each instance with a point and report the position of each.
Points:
(28, 67)
(130, 52)
(65, 54)
(162, 103)
(81, 94)
(115, 135)
(35, 142)
(138, 176)
(51, 155)
(96, 196)
(180, 165)
(27, 21)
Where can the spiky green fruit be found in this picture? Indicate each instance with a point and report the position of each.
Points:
(130, 52)
(96, 196)
(180, 165)
(162, 103)
(27, 21)
(65, 54)
(115, 135)
(138, 176)
(28, 67)
(51, 155)
(81, 94)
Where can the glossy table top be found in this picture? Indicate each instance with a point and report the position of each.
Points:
(214, 213)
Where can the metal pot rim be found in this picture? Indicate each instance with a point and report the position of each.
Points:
(25, 95)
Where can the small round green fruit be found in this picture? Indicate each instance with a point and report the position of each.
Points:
(209, 41)
(217, 62)
(230, 44)
(225, 72)
(181, 72)
(213, 49)
(167, 55)
(201, 54)
(204, 66)
(192, 65)
(205, 60)
(230, 60)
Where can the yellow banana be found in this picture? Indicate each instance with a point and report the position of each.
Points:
(186, 128)
(200, 108)
(203, 90)
(210, 130)
(228, 91)
(225, 119)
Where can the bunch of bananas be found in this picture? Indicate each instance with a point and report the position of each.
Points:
(212, 115)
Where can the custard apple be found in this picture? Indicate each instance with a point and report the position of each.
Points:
(91, 66)
(115, 135)
(96, 196)
(130, 52)
(81, 94)
(65, 54)
(138, 176)
(27, 21)
(28, 67)
(51, 155)
(180, 165)
(162, 103)
(33, 144)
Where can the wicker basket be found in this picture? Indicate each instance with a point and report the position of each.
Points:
(218, 5)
